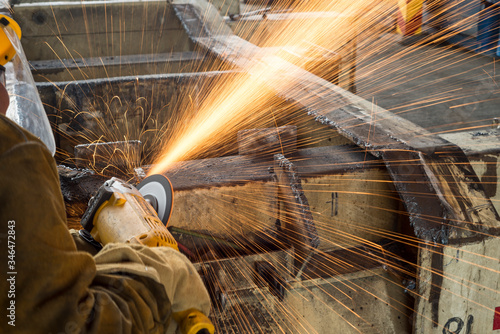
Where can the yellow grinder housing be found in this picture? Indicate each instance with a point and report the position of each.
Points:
(119, 213)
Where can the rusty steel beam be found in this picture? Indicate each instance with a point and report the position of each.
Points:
(268, 141)
(298, 224)
(441, 191)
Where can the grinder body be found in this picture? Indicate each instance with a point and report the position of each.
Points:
(119, 213)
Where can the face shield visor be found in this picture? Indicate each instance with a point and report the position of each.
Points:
(25, 108)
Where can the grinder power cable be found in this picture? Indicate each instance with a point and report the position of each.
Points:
(120, 212)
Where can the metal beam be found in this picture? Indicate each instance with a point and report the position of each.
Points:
(432, 175)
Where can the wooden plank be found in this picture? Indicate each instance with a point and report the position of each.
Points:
(138, 107)
(118, 66)
(466, 297)
(104, 45)
(366, 300)
(99, 28)
(482, 148)
(351, 208)
(45, 19)
(246, 212)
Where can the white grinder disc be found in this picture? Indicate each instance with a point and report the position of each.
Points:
(157, 190)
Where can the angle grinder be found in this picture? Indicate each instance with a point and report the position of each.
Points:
(120, 212)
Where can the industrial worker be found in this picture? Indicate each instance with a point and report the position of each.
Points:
(50, 285)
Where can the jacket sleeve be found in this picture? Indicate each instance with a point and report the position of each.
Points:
(55, 288)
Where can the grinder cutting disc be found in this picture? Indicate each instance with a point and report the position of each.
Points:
(157, 190)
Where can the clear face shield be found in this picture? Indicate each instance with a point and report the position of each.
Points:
(2, 76)
(25, 108)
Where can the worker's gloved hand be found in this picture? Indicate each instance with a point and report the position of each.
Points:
(183, 284)
(82, 244)
(190, 312)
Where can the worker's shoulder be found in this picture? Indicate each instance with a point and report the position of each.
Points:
(12, 135)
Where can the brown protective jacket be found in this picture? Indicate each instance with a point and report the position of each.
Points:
(48, 286)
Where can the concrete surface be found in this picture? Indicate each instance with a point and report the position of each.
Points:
(439, 87)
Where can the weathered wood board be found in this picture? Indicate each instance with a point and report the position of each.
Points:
(125, 108)
(482, 148)
(99, 29)
(366, 301)
(248, 210)
(353, 207)
(465, 293)
(61, 70)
